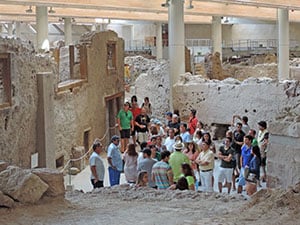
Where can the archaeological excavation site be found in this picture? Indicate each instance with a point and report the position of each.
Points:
(68, 71)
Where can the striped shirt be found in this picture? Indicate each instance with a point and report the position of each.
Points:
(159, 171)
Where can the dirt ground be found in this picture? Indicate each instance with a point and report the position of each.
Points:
(130, 205)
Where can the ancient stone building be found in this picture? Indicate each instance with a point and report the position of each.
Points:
(40, 114)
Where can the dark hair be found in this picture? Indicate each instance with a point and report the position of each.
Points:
(96, 145)
(199, 132)
(143, 145)
(178, 136)
(194, 147)
(146, 99)
(182, 184)
(131, 150)
(187, 169)
(240, 124)
(140, 177)
(249, 137)
(256, 151)
(184, 125)
(209, 138)
(193, 111)
(253, 131)
(133, 98)
(245, 119)
(176, 111)
(229, 138)
(154, 137)
(164, 154)
(153, 130)
(147, 151)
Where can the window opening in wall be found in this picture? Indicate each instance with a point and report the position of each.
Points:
(86, 136)
(72, 67)
(111, 55)
(60, 162)
(5, 80)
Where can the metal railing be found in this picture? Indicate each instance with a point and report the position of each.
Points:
(238, 45)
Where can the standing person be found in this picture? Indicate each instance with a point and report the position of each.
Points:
(192, 153)
(184, 133)
(206, 166)
(125, 123)
(252, 133)
(245, 161)
(130, 168)
(254, 165)
(237, 142)
(115, 163)
(170, 140)
(147, 105)
(135, 110)
(176, 159)
(174, 124)
(244, 120)
(193, 121)
(142, 123)
(226, 153)
(162, 172)
(146, 164)
(97, 165)
(263, 140)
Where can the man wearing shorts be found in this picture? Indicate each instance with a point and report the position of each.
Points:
(125, 123)
(226, 153)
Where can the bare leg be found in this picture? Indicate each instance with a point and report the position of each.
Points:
(233, 182)
(240, 189)
(220, 187)
(228, 184)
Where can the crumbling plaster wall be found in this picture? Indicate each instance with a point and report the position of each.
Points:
(84, 108)
(76, 110)
(18, 122)
(258, 98)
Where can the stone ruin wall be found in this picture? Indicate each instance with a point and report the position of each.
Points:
(216, 101)
(84, 108)
(259, 99)
(76, 110)
(18, 122)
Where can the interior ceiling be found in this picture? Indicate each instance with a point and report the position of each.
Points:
(148, 10)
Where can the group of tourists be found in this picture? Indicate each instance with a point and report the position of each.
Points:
(177, 155)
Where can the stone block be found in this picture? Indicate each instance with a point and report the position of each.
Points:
(5, 201)
(53, 178)
(3, 165)
(22, 185)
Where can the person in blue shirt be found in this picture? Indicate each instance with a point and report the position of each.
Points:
(254, 165)
(115, 163)
(245, 159)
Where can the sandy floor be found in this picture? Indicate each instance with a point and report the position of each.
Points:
(130, 205)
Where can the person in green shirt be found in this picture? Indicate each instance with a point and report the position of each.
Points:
(252, 133)
(126, 124)
(177, 158)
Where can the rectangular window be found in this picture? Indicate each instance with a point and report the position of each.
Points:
(5, 80)
(111, 57)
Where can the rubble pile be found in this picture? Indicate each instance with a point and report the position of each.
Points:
(152, 80)
(139, 64)
(28, 186)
